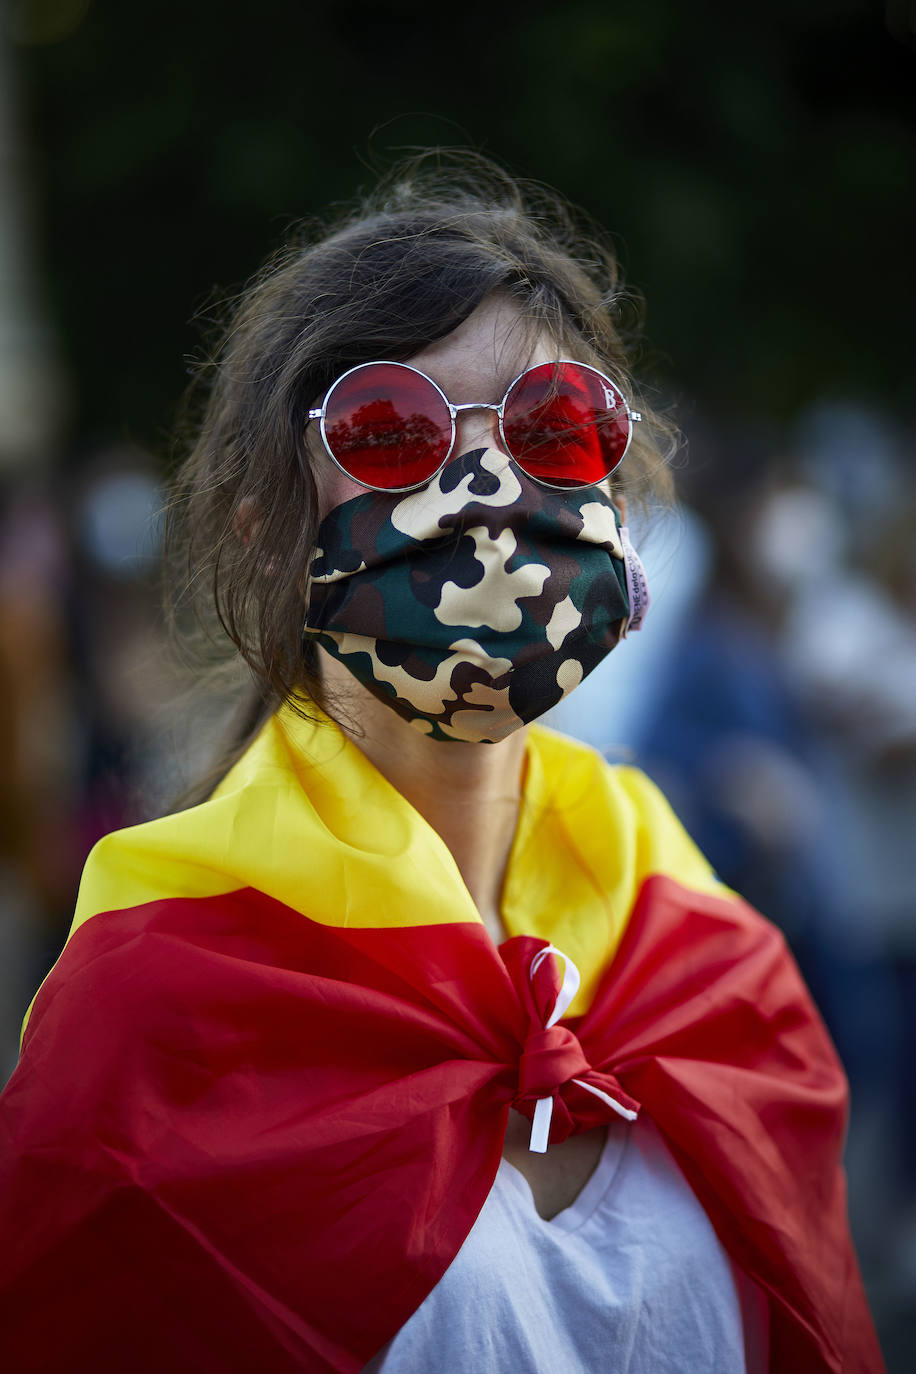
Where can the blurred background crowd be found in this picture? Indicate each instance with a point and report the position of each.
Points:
(755, 166)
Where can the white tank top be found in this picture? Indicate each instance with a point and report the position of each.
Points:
(631, 1279)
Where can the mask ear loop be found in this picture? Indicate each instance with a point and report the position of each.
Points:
(637, 585)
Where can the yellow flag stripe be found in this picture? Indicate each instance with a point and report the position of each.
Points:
(305, 818)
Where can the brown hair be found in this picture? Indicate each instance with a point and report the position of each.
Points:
(405, 267)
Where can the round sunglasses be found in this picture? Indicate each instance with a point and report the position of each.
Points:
(391, 428)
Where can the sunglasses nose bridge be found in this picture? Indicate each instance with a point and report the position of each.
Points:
(471, 432)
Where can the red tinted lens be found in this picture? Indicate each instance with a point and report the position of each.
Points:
(387, 425)
(566, 424)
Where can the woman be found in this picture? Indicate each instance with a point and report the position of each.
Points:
(424, 1037)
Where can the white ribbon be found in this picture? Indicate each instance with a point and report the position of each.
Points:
(570, 982)
(543, 1108)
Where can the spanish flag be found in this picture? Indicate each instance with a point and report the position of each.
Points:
(262, 1094)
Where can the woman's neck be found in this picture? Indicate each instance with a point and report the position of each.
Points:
(469, 793)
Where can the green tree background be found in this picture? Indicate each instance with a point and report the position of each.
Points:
(755, 164)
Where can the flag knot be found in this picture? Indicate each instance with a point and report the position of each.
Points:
(551, 1057)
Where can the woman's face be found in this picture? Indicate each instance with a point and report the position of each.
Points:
(475, 603)
(478, 361)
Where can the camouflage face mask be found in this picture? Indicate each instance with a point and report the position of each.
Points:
(478, 602)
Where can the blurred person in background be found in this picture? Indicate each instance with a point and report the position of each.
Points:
(849, 643)
(123, 683)
(39, 863)
(423, 1033)
(730, 739)
(783, 736)
(83, 675)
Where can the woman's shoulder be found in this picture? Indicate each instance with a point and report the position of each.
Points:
(127, 875)
(229, 841)
(184, 858)
(619, 813)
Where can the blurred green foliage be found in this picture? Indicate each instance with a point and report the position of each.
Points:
(754, 163)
